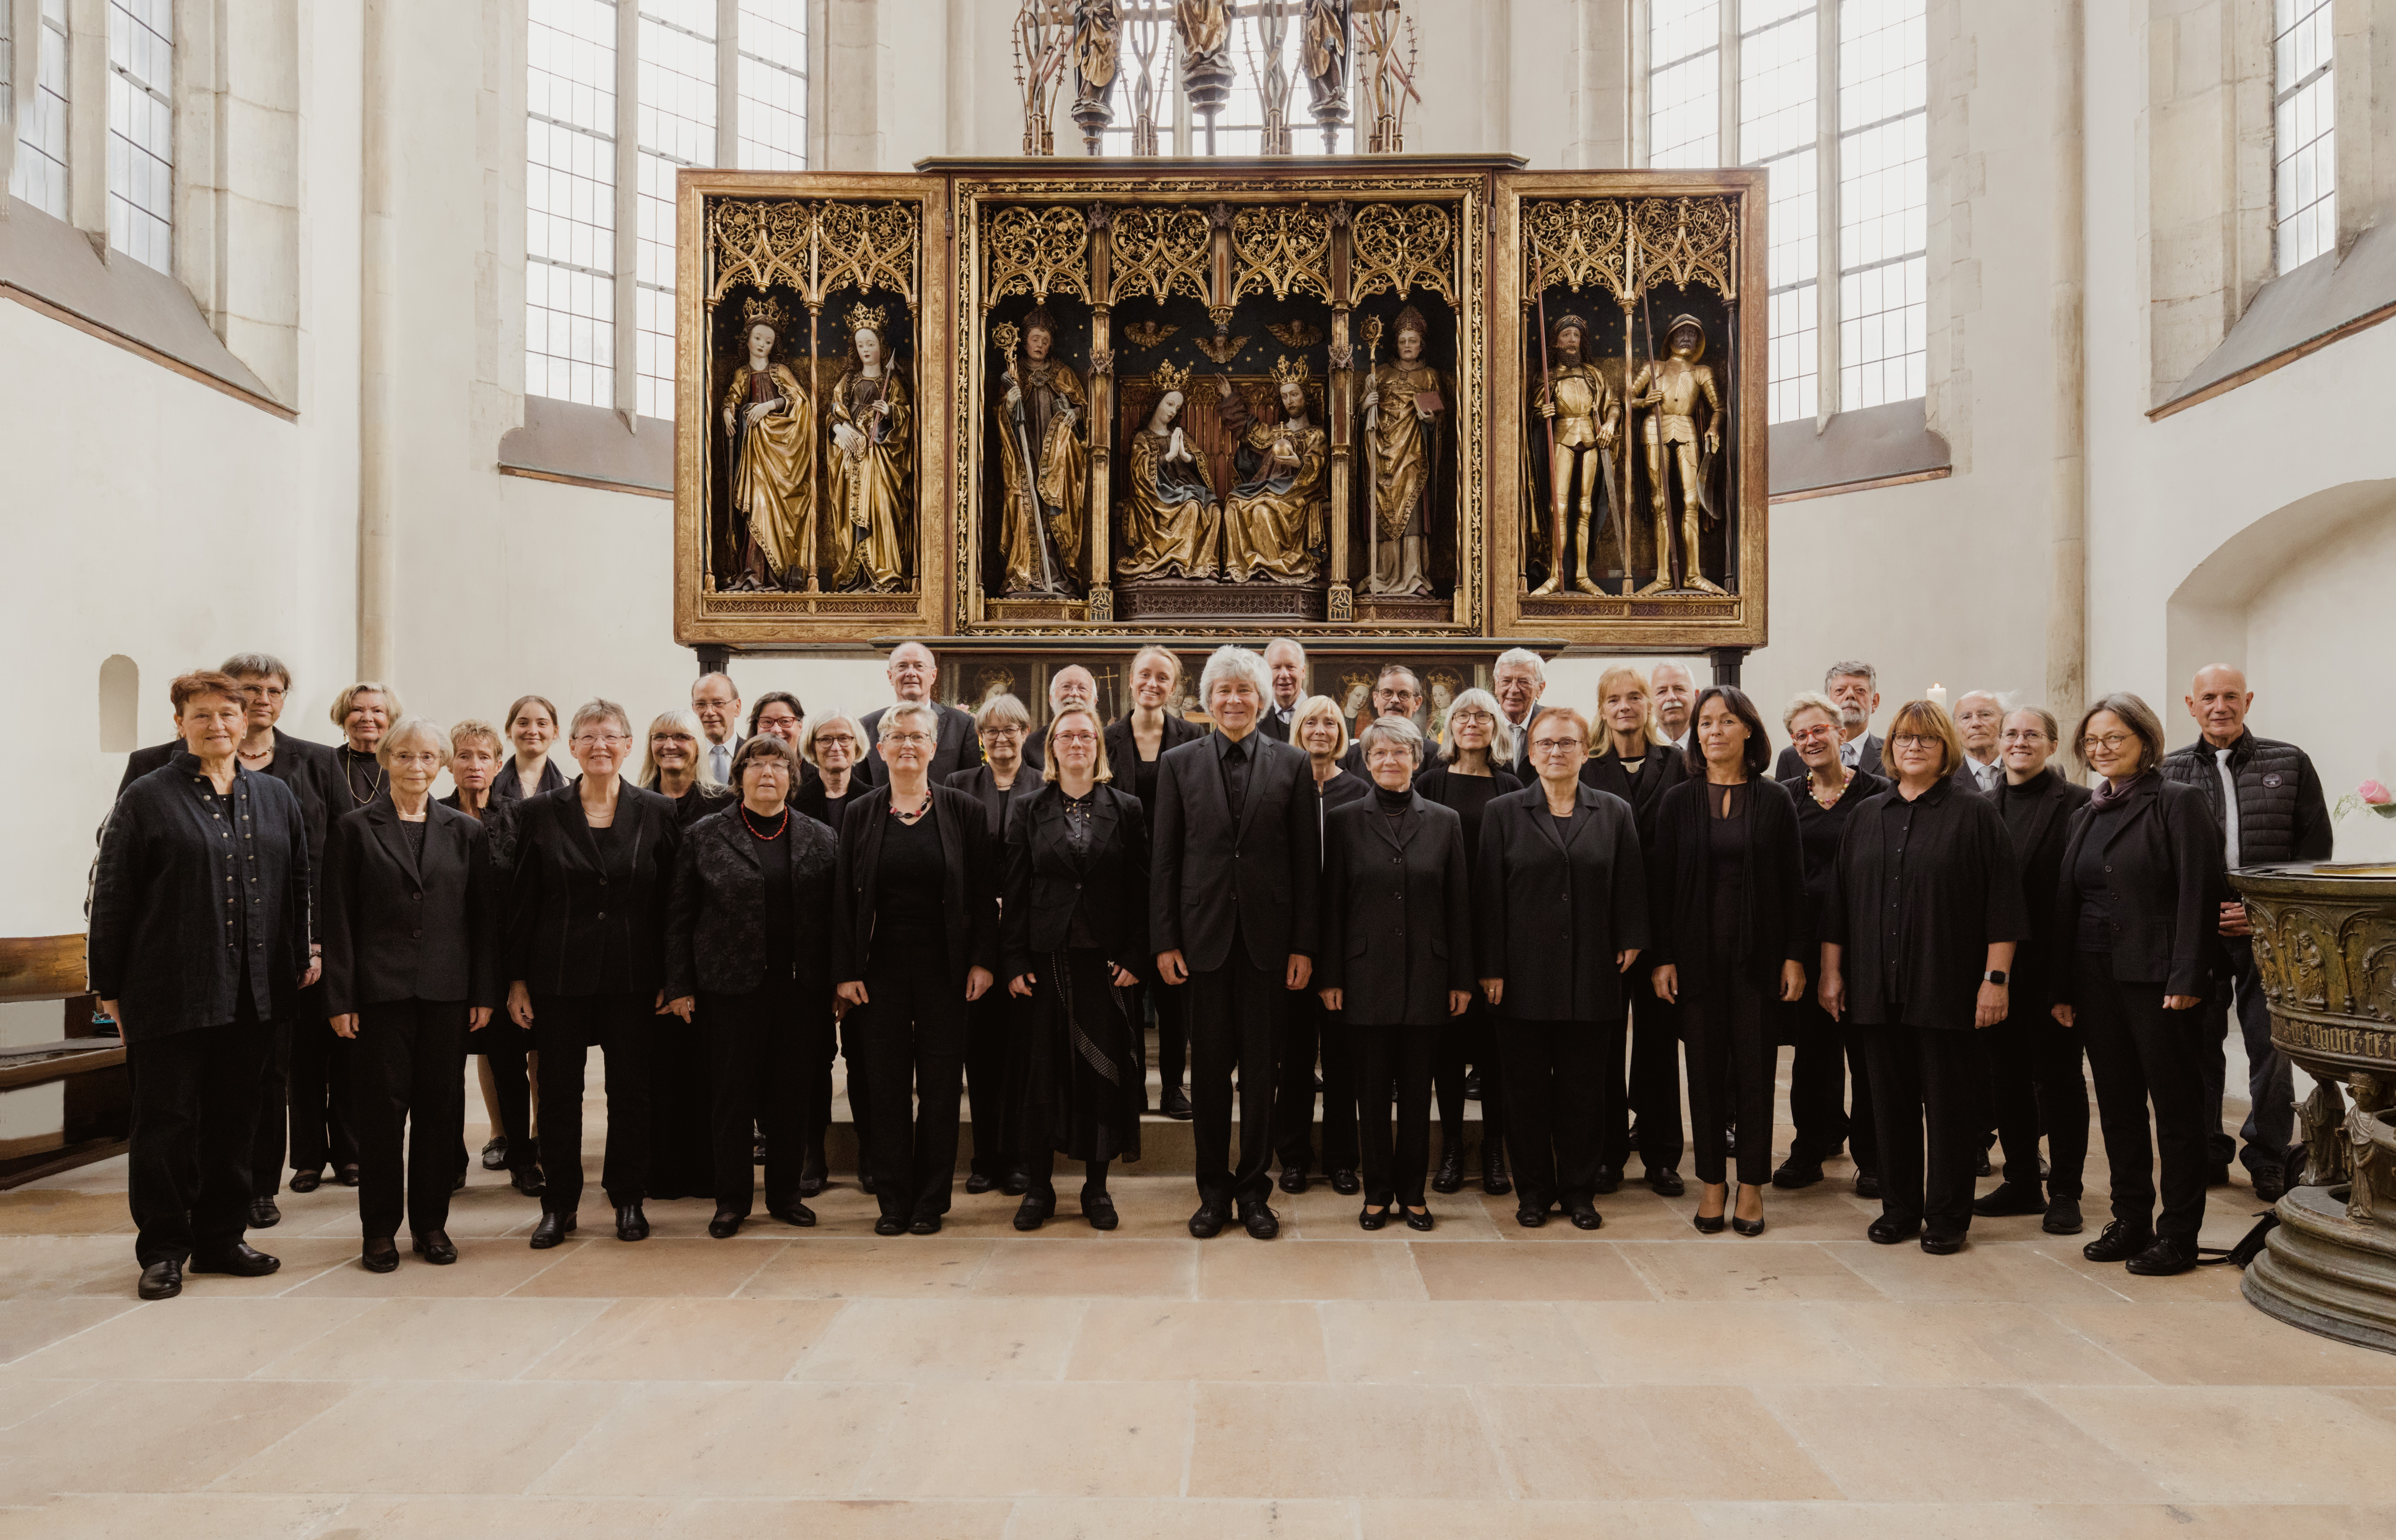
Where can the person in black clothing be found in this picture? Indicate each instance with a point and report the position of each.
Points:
(1285, 665)
(1317, 727)
(1397, 956)
(2035, 1080)
(681, 1078)
(1075, 936)
(505, 1071)
(1468, 776)
(1233, 880)
(748, 956)
(2139, 899)
(915, 940)
(1006, 775)
(2266, 798)
(913, 671)
(585, 957)
(1396, 692)
(1639, 765)
(195, 978)
(1854, 685)
(1560, 911)
(831, 775)
(1726, 906)
(531, 770)
(408, 974)
(1137, 741)
(1828, 1058)
(1917, 935)
(673, 767)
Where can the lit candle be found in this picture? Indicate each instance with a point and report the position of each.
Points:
(1937, 696)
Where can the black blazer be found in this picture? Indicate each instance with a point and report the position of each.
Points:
(959, 746)
(1397, 912)
(499, 822)
(1772, 928)
(2039, 849)
(2163, 868)
(1123, 750)
(565, 916)
(969, 894)
(307, 769)
(1255, 870)
(980, 783)
(1916, 939)
(1433, 781)
(398, 928)
(1867, 760)
(1551, 912)
(1269, 724)
(704, 800)
(1666, 768)
(161, 939)
(507, 786)
(715, 909)
(1046, 884)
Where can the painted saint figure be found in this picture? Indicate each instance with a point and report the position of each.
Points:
(769, 426)
(870, 479)
(1273, 520)
(1173, 524)
(1406, 413)
(1041, 428)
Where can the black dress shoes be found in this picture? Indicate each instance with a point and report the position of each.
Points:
(1098, 1208)
(811, 1179)
(1748, 1226)
(798, 1214)
(263, 1214)
(1494, 1180)
(1449, 1177)
(887, 1224)
(1867, 1182)
(1473, 1086)
(1018, 1183)
(1797, 1172)
(1585, 1215)
(977, 1183)
(2166, 1257)
(307, 1181)
(2270, 1183)
(1609, 1180)
(2118, 1242)
(552, 1229)
(161, 1280)
(1708, 1223)
(1293, 1179)
(436, 1248)
(1176, 1103)
(1207, 1223)
(1886, 1231)
(1667, 1183)
(1529, 1217)
(494, 1154)
(1037, 1207)
(240, 1259)
(347, 1175)
(1258, 1218)
(2216, 1173)
(631, 1223)
(925, 1223)
(1345, 1182)
(724, 1225)
(865, 1183)
(529, 1181)
(1941, 1243)
(1419, 1219)
(1371, 1218)
(2008, 1198)
(381, 1257)
(2062, 1217)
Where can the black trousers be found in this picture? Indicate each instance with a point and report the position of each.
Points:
(988, 1023)
(1313, 1035)
(1830, 1085)
(2141, 1053)
(1733, 1053)
(1396, 1064)
(194, 1111)
(1654, 1090)
(411, 1058)
(323, 1072)
(2271, 1085)
(911, 1033)
(2035, 1083)
(1172, 1005)
(760, 1048)
(1236, 1015)
(1469, 1039)
(1563, 1092)
(504, 1046)
(682, 1118)
(1923, 1100)
(267, 1143)
(564, 1029)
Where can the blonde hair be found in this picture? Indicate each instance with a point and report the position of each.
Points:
(1311, 708)
(343, 701)
(1622, 674)
(688, 720)
(472, 730)
(1811, 700)
(1048, 742)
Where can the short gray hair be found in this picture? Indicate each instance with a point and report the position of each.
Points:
(1227, 662)
(1397, 727)
(598, 708)
(912, 710)
(401, 732)
(1003, 710)
(1523, 656)
(1290, 642)
(1059, 678)
(256, 666)
(814, 724)
(1811, 700)
(1501, 735)
(1851, 668)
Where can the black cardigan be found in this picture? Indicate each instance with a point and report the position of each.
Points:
(565, 916)
(1917, 941)
(399, 928)
(1397, 912)
(969, 894)
(306, 768)
(715, 909)
(1772, 928)
(1046, 884)
(1819, 830)
(161, 939)
(2046, 956)
(1551, 915)
(2164, 869)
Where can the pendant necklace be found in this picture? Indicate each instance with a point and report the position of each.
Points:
(904, 815)
(374, 788)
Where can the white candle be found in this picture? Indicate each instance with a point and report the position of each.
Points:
(1937, 696)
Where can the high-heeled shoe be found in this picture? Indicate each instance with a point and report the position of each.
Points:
(1708, 1223)
(1748, 1226)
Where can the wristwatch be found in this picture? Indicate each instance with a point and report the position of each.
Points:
(1995, 975)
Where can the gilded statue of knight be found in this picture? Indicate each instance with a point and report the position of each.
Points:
(1671, 390)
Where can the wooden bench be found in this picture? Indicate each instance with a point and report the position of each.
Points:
(98, 1107)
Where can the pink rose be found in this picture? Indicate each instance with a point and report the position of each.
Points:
(2373, 793)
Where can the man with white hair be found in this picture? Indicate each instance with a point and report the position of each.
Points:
(1396, 692)
(1235, 871)
(1070, 687)
(1674, 691)
(1285, 661)
(1979, 721)
(1855, 684)
(914, 671)
(1518, 678)
(717, 702)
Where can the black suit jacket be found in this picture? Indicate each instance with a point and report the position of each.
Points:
(969, 892)
(959, 746)
(565, 916)
(307, 769)
(716, 911)
(981, 784)
(1123, 750)
(1773, 923)
(1254, 871)
(399, 928)
(1269, 724)
(2039, 849)
(1789, 767)
(2164, 869)
(1666, 768)
(1551, 910)
(1046, 884)
(1397, 912)
(507, 786)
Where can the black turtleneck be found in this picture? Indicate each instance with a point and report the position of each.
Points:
(1392, 802)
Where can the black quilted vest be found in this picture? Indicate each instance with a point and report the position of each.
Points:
(2267, 773)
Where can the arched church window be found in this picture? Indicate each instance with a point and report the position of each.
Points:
(120, 698)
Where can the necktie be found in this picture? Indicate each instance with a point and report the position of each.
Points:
(1851, 752)
(722, 759)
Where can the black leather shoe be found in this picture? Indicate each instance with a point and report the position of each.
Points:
(1867, 1183)
(1981, 1167)
(1449, 1177)
(347, 1175)
(2008, 1198)
(2270, 1183)
(865, 1183)
(1207, 1223)
(529, 1181)
(2118, 1242)
(1941, 1244)
(1529, 1217)
(1796, 1171)
(2216, 1173)
(1494, 1180)
(1293, 1179)
(1667, 1183)
(1371, 1219)
(724, 1225)
(1258, 1218)
(1609, 1180)
(459, 1185)
(976, 1184)
(240, 1259)
(1419, 1219)
(1036, 1208)
(1345, 1182)
(1098, 1208)
(1473, 1086)
(161, 1280)
(797, 1215)
(263, 1214)
(2164, 1258)
(1018, 1183)
(925, 1223)
(307, 1181)
(889, 1225)
(1176, 1103)
(2062, 1217)
(436, 1248)
(757, 1150)
(381, 1257)
(1709, 1224)
(1748, 1226)
(552, 1229)
(811, 1179)
(631, 1223)
(1886, 1231)
(494, 1154)
(1585, 1215)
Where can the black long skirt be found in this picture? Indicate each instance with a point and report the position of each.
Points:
(1079, 1062)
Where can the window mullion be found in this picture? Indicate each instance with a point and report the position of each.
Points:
(1830, 255)
(1726, 73)
(627, 370)
(728, 83)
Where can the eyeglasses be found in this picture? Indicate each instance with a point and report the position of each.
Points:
(1554, 745)
(2110, 742)
(919, 739)
(1471, 714)
(592, 740)
(834, 740)
(1812, 735)
(1002, 732)
(1075, 737)
(2026, 735)
(1913, 740)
